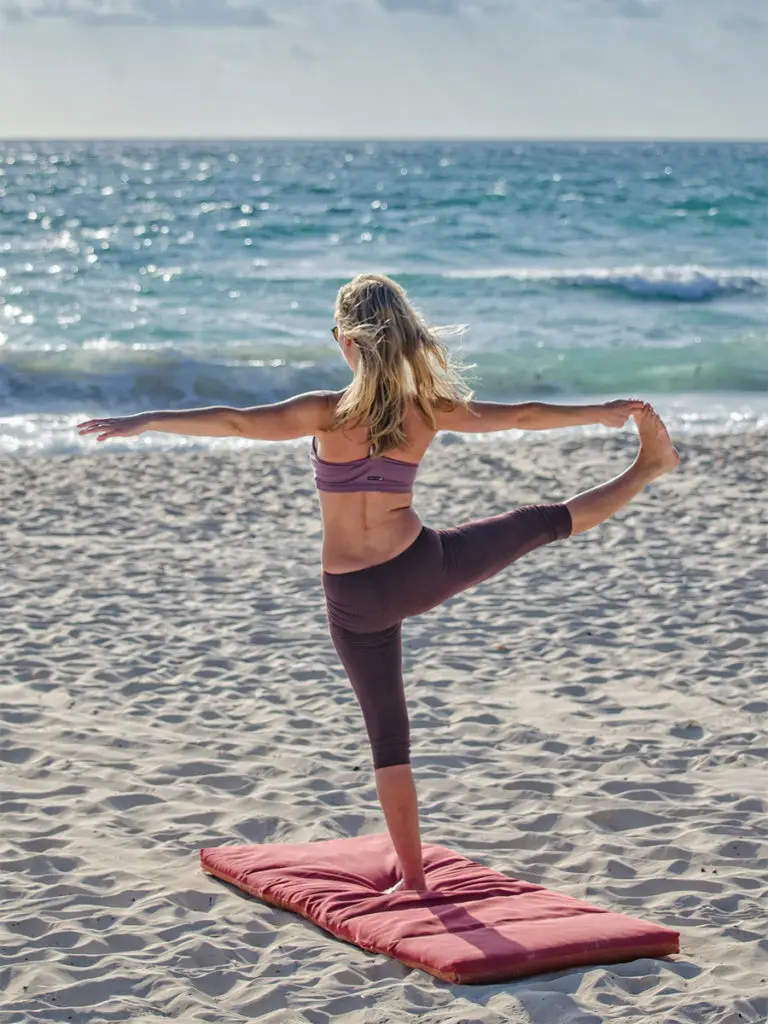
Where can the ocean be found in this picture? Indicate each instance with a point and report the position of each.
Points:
(148, 275)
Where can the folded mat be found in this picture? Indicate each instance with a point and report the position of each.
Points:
(474, 925)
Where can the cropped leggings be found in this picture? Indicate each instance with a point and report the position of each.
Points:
(366, 607)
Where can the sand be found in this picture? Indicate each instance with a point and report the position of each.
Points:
(593, 719)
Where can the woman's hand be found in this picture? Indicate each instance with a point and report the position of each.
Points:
(116, 426)
(616, 414)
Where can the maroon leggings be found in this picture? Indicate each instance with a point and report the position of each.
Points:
(366, 607)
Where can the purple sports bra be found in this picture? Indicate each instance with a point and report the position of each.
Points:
(393, 476)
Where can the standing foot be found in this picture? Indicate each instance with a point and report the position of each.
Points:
(402, 887)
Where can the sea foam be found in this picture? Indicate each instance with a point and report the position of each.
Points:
(687, 283)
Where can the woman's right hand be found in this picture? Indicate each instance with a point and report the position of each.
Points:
(115, 426)
(616, 414)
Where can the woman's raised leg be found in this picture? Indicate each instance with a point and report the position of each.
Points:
(656, 457)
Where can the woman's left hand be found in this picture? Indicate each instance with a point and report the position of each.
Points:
(115, 426)
(616, 414)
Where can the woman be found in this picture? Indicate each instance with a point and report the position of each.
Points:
(380, 563)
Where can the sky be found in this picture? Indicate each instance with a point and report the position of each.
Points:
(384, 69)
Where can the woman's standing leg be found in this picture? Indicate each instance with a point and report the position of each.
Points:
(373, 663)
(397, 796)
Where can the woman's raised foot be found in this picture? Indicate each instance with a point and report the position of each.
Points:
(657, 454)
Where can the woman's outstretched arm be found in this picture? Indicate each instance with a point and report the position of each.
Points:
(482, 417)
(299, 416)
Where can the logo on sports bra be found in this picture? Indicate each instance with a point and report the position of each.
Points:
(375, 477)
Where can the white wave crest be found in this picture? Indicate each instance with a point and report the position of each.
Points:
(687, 282)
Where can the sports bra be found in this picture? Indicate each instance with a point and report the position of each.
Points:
(393, 476)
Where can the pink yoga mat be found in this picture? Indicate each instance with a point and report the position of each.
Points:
(475, 925)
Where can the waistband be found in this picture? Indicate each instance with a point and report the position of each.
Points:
(391, 563)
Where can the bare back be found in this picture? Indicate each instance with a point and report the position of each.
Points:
(364, 528)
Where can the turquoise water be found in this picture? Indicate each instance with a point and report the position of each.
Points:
(146, 275)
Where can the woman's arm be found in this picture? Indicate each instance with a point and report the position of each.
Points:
(300, 416)
(213, 421)
(482, 417)
(281, 421)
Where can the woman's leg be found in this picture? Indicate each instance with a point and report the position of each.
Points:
(397, 796)
(478, 550)
(373, 663)
(656, 457)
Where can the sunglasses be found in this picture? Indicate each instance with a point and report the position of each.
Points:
(335, 332)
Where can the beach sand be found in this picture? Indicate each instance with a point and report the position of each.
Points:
(592, 719)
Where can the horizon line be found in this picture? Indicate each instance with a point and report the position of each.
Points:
(382, 139)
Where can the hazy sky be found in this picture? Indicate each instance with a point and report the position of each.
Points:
(383, 68)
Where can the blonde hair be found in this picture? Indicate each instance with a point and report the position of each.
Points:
(399, 357)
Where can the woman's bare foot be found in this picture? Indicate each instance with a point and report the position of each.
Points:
(402, 887)
(657, 454)
(397, 887)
